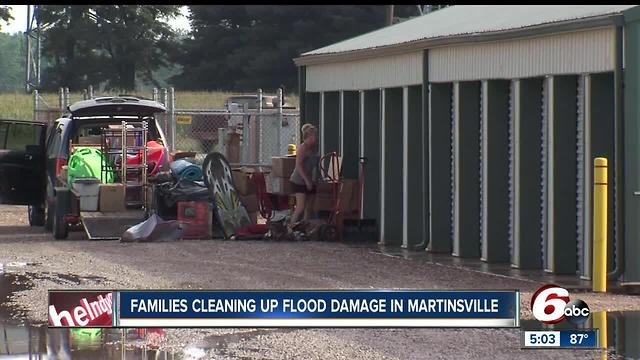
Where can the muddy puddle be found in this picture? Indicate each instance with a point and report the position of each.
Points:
(23, 341)
(10, 283)
(619, 331)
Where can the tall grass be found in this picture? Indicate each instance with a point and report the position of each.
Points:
(19, 106)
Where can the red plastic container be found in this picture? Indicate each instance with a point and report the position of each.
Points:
(155, 157)
(196, 218)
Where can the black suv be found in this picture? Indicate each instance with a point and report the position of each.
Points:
(32, 155)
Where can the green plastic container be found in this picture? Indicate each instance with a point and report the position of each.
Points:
(87, 162)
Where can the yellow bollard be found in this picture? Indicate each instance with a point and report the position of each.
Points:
(600, 225)
(600, 323)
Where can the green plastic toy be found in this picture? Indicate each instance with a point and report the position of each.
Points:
(87, 162)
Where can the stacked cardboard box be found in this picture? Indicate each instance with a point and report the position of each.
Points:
(347, 193)
(112, 198)
(281, 170)
(247, 190)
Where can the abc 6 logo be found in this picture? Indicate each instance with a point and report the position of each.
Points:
(550, 304)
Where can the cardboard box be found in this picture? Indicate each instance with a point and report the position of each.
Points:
(349, 189)
(112, 197)
(131, 137)
(348, 197)
(90, 140)
(281, 185)
(250, 202)
(282, 166)
(243, 183)
(175, 155)
(325, 188)
(323, 202)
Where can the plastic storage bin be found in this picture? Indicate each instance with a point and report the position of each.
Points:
(88, 190)
(196, 218)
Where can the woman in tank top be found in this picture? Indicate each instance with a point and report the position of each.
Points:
(303, 178)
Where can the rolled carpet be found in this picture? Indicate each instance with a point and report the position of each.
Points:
(182, 169)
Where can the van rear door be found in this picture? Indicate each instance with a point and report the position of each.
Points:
(22, 162)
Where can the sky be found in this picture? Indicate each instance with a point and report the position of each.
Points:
(19, 22)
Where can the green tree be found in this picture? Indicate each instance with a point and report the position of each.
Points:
(12, 60)
(244, 47)
(5, 15)
(110, 44)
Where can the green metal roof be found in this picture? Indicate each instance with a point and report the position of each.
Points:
(469, 20)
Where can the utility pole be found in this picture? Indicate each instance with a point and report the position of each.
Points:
(34, 47)
(389, 15)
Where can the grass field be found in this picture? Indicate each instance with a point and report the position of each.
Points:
(20, 106)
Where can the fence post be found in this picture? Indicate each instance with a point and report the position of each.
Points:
(163, 96)
(61, 98)
(279, 126)
(66, 97)
(167, 120)
(35, 105)
(172, 105)
(246, 134)
(222, 141)
(91, 93)
(259, 128)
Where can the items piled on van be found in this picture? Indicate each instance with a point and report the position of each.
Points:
(101, 180)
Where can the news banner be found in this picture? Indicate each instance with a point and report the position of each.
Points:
(307, 308)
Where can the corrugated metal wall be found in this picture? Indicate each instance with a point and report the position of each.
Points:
(568, 53)
(373, 73)
(528, 60)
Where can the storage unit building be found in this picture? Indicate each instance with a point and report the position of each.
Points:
(480, 125)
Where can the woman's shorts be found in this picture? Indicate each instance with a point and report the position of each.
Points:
(297, 189)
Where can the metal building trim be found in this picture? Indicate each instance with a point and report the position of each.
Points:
(382, 72)
(583, 249)
(576, 52)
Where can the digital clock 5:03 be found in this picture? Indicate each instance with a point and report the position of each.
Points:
(541, 338)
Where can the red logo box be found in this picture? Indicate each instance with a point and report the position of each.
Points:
(80, 308)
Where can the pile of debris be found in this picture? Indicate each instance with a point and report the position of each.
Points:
(199, 202)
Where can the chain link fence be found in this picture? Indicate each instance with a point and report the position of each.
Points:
(48, 113)
(245, 135)
(248, 131)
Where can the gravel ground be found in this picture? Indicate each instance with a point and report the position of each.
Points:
(264, 265)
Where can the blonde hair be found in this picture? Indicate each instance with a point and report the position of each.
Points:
(308, 130)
